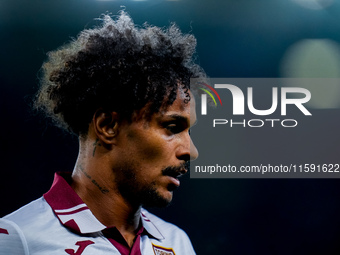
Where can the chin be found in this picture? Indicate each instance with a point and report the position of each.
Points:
(156, 199)
(148, 195)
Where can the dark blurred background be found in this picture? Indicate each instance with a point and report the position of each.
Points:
(236, 38)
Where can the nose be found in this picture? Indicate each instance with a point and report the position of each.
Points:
(187, 151)
(193, 151)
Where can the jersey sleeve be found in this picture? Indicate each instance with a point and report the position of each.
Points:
(12, 240)
(189, 249)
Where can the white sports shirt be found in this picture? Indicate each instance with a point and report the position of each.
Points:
(61, 223)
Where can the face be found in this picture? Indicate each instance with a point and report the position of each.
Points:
(153, 154)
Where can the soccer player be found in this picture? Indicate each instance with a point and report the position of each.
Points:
(124, 91)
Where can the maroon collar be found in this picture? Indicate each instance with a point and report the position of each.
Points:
(73, 213)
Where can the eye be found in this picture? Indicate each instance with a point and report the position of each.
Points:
(174, 128)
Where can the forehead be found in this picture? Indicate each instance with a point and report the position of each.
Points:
(182, 108)
(182, 105)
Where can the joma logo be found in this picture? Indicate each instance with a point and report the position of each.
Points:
(82, 245)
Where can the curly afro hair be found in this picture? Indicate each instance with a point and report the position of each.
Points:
(118, 67)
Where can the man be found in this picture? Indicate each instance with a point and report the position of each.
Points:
(124, 91)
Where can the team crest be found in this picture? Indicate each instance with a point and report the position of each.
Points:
(159, 250)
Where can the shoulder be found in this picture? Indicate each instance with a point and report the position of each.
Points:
(18, 229)
(31, 214)
(12, 239)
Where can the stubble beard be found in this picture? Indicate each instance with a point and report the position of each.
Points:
(137, 194)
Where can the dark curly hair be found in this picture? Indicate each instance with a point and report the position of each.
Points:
(118, 67)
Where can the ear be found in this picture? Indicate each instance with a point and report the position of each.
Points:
(106, 125)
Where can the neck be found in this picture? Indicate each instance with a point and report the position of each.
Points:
(94, 182)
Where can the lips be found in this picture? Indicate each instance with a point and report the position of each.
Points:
(174, 181)
(174, 173)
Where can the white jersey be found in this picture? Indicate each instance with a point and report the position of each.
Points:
(61, 223)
